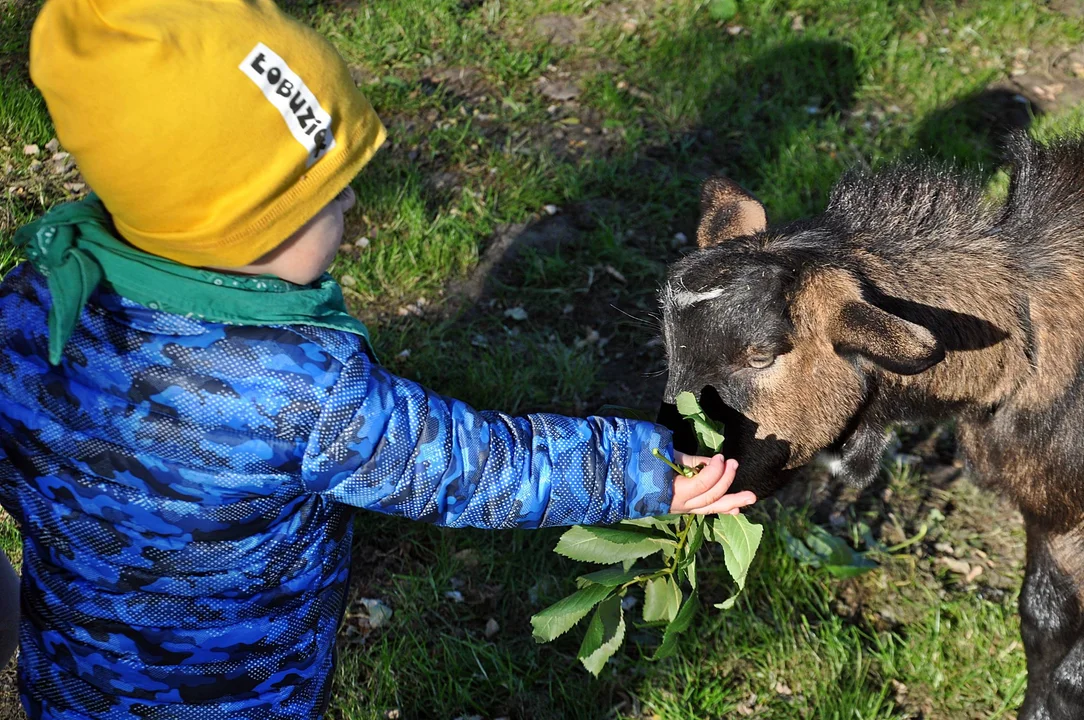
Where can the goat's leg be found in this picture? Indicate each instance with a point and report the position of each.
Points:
(1052, 624)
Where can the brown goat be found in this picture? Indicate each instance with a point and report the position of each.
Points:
(912, 297)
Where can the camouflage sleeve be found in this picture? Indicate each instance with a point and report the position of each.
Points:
(387, 444)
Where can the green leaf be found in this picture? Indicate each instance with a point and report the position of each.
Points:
(579, 543)
(678, 625)
(604, 636)
(799, 550)
(612, 576)
(823, 549)
(690, 570)
(837, 556)
(659, 523)
(740, 540)
(563, 614)
(826, 546)
(623, 534)
(722, 10)
(695, 537)
(708, 432)
(662, 598)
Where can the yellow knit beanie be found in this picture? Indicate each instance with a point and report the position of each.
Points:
(210, 129)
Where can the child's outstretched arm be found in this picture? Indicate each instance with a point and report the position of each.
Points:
(387, 444)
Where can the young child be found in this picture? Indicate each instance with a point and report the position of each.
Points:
(184, 447)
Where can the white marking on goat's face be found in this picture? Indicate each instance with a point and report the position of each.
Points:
(685, 298)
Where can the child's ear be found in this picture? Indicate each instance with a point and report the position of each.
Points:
(727, 211)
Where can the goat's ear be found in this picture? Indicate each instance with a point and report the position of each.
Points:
(897, 345)
(727, 211)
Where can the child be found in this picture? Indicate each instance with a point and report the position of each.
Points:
(183, 447)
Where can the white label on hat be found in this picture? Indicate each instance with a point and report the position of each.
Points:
(309, 123)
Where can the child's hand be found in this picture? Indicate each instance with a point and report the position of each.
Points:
(705, 492)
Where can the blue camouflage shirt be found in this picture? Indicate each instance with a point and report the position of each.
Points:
(185, 492)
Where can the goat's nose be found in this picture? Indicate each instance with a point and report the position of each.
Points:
(676, 384)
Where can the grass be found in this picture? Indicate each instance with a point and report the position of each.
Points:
(783, 97)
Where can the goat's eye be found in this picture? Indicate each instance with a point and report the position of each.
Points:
(759, 362)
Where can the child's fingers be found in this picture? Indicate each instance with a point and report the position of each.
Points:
(728, 504)
(685, 489)
(690, 460)
(717, 489)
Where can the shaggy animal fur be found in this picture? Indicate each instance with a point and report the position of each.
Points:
(912, 297)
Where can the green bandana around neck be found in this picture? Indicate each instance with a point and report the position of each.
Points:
(75, 248)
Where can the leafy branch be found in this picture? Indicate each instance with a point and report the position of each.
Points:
(668, 582)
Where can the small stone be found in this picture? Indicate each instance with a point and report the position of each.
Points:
(560, 91)
(783, 689)
(36, 166)
(361, 243)
(975, 572)
(376, 611)
(797, 23)
(479, 341)
(944, 548)
(31, 150)
(516, 313)
(550, 209)
(615, 273)
(404, 354)
(960, 567)
(349, 281)
(403, 311)
(622, 85)
(61, 163)
(1049, 92)
(734, 30)
(74, 187)
(492, 628)
(468, 557)
(52, 146)
(392, 714)
(454, 596)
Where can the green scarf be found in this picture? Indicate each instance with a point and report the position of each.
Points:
(75, 248)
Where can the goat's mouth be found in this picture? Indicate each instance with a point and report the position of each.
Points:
(761, 461)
